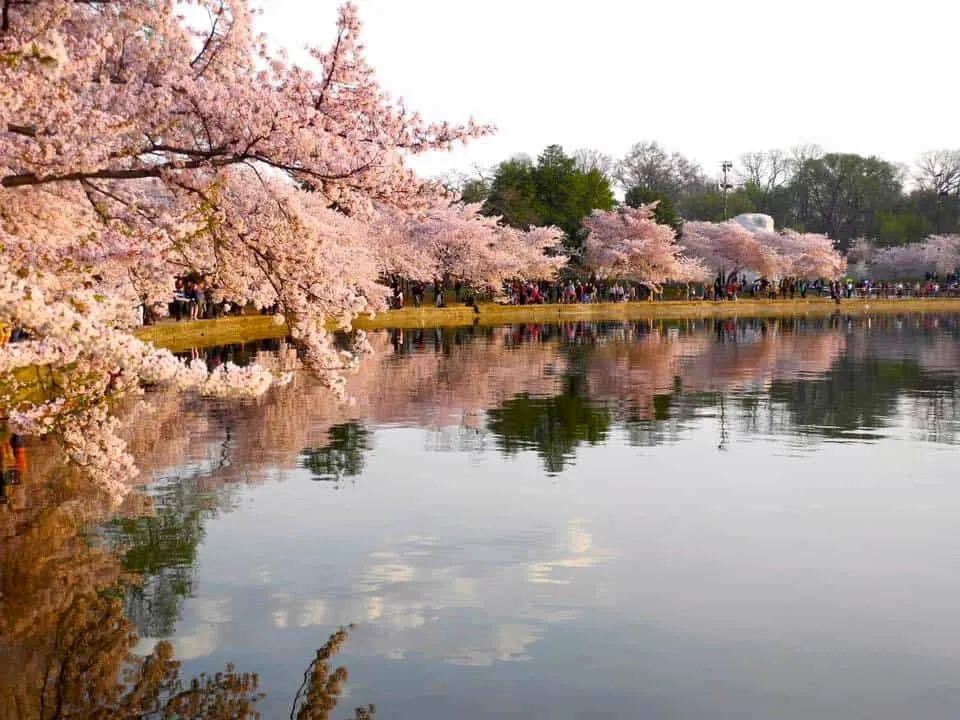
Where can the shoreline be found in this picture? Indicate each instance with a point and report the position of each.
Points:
(187, 334)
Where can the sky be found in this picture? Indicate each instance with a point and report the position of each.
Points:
(709, 79)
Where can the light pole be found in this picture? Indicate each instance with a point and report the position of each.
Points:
(726, 166)
(939, 190)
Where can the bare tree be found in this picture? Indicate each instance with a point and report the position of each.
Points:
(800, 154)
(588, 159)
(649, 166)
(470, 186)
(768, 171)
(938, 171)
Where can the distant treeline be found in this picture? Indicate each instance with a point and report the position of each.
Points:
(843, 195)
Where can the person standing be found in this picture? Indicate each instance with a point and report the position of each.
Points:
(201, 300)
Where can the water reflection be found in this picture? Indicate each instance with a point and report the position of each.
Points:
(161, 549)
(463, 559)
(343, 455)
(70, 611)
(553, 388)
(553, 426)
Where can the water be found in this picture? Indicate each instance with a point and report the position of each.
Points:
(745, 519)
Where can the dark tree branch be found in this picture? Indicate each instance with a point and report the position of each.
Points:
(26, 130)
(327, 81)
(213, 32)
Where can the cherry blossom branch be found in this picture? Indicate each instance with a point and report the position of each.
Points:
(25, 130)
(212, 34)
(205, 159)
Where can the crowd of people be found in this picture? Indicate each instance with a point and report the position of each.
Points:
(594, 290)
(522, 293)
(195, 299)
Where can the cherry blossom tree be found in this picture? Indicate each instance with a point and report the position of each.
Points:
(397, 251)
(936, 254)
(729, 248)
(456, 241)
(136, 145)
(629, 243)
(805, 255)
(945, 252)
(901, 262)
(536, 253)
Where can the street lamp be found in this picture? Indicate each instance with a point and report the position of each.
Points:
(726, 166)
(940, 194)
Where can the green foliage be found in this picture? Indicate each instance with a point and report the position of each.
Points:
(709, 205)
(475, 191)
(161, 550)
(900, 228)
(551, 192)
(665, 214)
(513, 193)
(554, 426)
(921, 213)
(775, 202)
(844, 195)
(342, 457)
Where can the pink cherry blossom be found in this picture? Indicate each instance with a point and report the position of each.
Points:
(135, 147)
(456, 241)
(805, 255)
(629, 243)
(936, 254)
(729, 248)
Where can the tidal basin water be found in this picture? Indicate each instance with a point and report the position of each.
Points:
(725, 520)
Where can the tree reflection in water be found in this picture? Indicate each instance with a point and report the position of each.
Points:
(553, 426)
(160, 549)
(553, 388)
(67, 638)
(342, 457)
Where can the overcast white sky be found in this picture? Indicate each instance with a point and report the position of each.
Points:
(710, 79)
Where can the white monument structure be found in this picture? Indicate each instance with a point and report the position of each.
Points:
(755, 222)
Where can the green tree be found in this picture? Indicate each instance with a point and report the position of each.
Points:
(475, 190)
(554, 191)
(902, 226)
(775, 202)
(708, 205)
(665, 214)
(513, 193)
(472, 187)
(844, 195)
(939, 209)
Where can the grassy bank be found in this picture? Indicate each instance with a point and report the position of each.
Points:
(184, 335)
(178, 336)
